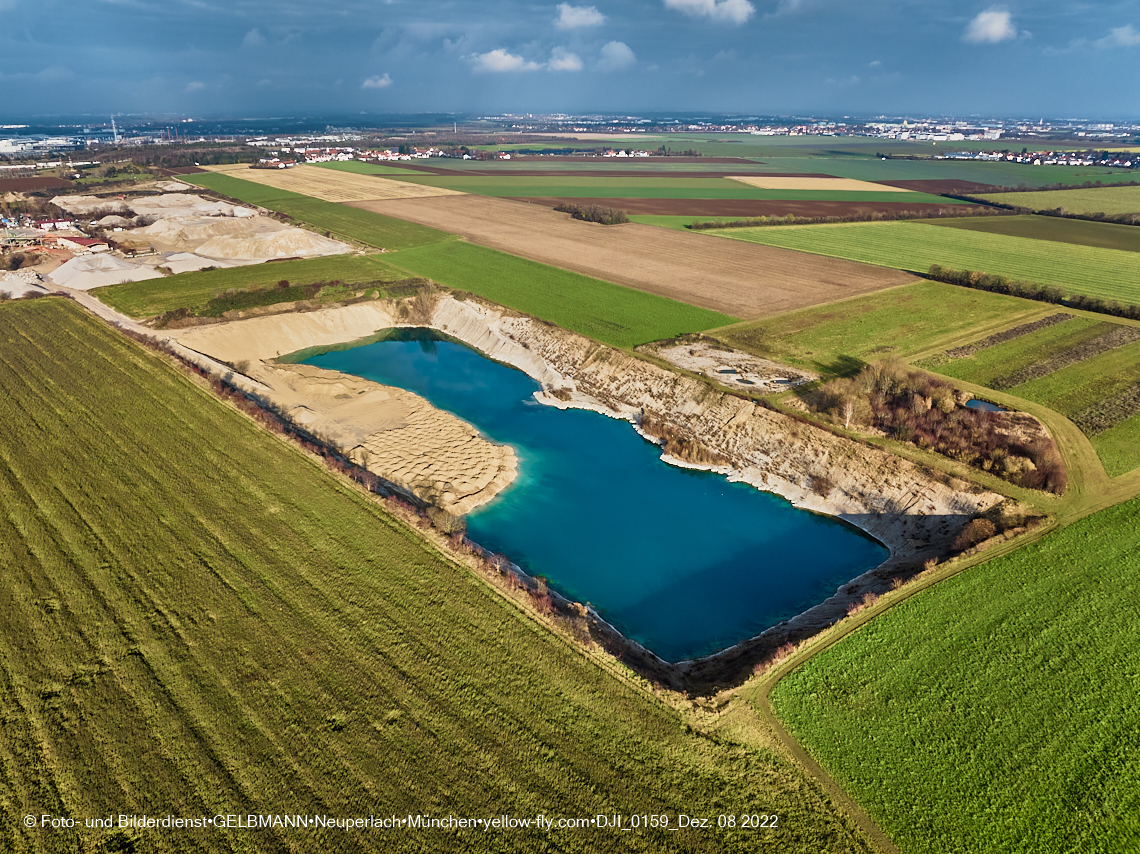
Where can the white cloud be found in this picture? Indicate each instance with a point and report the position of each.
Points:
(721, 11)
(616, 56)
(498, 61)
(875, 63)
(990, 27)
(377, 82)
(1126, 36)
(195, 86)
(563, 60)
(573, 17)
(253, 38)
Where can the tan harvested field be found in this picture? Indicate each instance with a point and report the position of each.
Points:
(745, 280)
(329, 185)
(802, 182)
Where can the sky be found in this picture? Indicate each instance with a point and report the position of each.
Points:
(251, 58)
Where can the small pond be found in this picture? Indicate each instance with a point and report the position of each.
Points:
(682, 561)
(985, 406)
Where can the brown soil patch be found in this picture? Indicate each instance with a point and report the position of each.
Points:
(182, 170)
(24, 185)
(744, 208)
(948, 185)
(743, 279)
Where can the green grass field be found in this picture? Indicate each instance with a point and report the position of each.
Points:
(1104, 235)
(1108, 200)
(194, 290)
(841, 337)
(372, 229)
(1107, 273)
(996, 711)
(196, 620)
(1009, 356)
(606, 312)
(236, 188)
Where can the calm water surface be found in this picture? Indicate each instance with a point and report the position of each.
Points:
(681, 561)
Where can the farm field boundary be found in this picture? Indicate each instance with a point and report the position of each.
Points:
(1107, 200)
(222, 587)
(684, 267)
(331, 185)
(1104, 235)
(612, 314)
(745, 208)
(1103, 273)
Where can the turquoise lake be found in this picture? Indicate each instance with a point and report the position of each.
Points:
(682, 561)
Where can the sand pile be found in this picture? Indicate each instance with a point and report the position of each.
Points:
(185, 204)
(186, 233)
(115, 222)
(20, 283)
(287, 243)
(186, 262)
(96, 271)
(85, 205)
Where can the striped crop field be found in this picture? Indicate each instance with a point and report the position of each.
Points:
(1106, 200)
(197, 619)
(1086, 369)
(915, 246)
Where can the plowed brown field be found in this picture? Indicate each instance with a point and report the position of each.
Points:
(743, 208)
(744, 279)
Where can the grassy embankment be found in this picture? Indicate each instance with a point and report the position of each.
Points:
(198, 619)
(1103, 235)
(612, 314)
(840, 338)
(994, 712)
(1106, 200)
(1106, 273)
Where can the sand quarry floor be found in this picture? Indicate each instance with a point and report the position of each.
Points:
(390, 431)
(731, 367)
(331, 185)
(742, 279)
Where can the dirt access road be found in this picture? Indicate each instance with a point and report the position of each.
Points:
(742, 279)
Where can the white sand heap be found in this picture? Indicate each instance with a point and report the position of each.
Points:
(254, 238)
(185, 204)
(20, 283)
(171, 186)
(85, 205)
(96, 271)
(187, 262)
(113, 221)
(185, 233)
(165, 205)
(288, 243)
